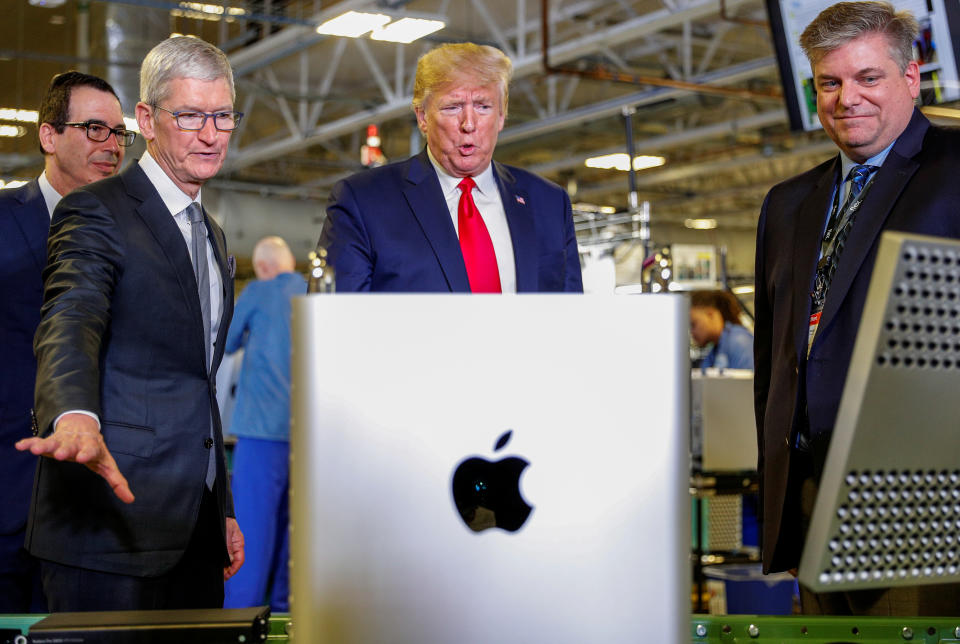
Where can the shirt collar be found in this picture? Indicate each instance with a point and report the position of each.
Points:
(50, 195)
(486, 184)
(846, 163)
(175, 199)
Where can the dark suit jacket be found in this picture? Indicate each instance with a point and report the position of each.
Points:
(24, 224)
(121, 335)
(917, 190)
(389, 229)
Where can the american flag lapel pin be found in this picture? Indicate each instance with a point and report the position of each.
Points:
(521, 201)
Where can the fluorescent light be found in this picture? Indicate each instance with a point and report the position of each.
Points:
(353, 24)
(583, 206)
(746, 289)
(700, 224)
(406, 30)
(206, 11)
(620, 161)
(12, 131)
(13, 183)
(15, 114)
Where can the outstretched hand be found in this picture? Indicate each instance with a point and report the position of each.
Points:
(77, 438)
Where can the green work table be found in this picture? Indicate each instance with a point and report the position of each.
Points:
(736, 629)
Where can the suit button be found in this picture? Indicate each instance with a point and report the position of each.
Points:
(208, 443)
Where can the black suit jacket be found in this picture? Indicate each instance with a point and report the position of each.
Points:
(916, 190)
(121, 335)
(24, 224)
(389, 229)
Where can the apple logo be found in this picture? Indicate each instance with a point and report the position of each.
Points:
(487, 494)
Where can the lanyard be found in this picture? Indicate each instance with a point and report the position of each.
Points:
(840, 217)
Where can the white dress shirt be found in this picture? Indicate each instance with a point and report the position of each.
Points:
(487, 198)
(50, 194)
(176, 201)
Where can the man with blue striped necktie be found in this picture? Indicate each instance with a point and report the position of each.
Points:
(816, 242)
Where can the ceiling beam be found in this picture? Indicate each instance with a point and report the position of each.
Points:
(531, 64)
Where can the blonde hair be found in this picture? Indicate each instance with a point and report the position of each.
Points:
(452, 62)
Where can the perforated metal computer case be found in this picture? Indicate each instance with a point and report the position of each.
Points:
(888, 509)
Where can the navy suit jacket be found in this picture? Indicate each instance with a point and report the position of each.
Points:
(916, 190)
(389, 229)
(24, 224)
(121, 335)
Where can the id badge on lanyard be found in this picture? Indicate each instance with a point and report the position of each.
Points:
(828, 249)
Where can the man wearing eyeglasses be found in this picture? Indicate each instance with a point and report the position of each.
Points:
(82, 138)
(131, 505)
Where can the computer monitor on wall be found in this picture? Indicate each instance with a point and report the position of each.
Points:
(937, 49)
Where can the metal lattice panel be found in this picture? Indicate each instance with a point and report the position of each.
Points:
(888, 511)
(896, 525)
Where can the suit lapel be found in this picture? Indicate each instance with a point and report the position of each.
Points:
(34, 221)
(154, 214)
(425, 198)
(890, 180)
(523, 234)
(811, 220)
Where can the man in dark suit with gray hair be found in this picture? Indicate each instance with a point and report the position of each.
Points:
(817, 241)
(131, 504)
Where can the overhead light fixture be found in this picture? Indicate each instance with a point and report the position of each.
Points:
(12, 131)
(47, 4)
(620, 161)
(406, 30)
(700, 224)
(21, 116)
(353, 24)
(30, 116)
(583, 206)
(746, 289)
(206, 11)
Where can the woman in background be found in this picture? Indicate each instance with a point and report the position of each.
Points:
(715, 319)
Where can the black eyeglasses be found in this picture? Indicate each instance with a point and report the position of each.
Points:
(99, 132)
(194, 121)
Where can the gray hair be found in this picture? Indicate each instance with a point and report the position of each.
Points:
(837, 25)
(181, 57)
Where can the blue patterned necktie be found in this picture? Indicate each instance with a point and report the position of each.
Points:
(858, 177)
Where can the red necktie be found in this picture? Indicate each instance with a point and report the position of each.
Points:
(475, 244)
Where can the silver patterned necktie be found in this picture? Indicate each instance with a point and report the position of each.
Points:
(198, 257)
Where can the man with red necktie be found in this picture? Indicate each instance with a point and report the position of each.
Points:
(450, 219)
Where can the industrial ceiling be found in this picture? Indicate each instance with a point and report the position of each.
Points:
(699, 77)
